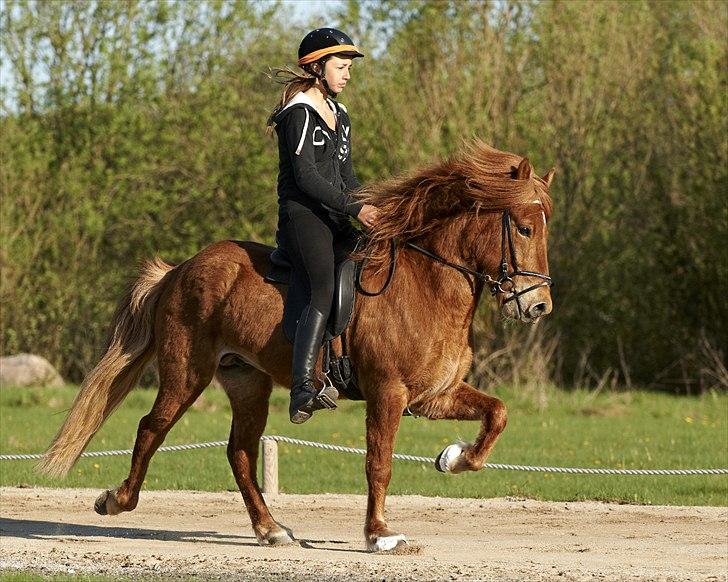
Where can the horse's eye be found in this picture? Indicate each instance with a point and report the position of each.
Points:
(524, 230)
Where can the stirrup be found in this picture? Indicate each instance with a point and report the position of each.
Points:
(328, 394)
(325, 398)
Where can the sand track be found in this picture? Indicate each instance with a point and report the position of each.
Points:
(208, 535)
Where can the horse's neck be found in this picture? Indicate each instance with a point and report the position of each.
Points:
(438, 282)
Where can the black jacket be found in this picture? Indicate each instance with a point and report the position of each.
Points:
(315, 167)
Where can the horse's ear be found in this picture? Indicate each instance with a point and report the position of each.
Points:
(524, 170)
(548, 178)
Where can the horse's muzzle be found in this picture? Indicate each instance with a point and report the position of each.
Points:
(528, 307)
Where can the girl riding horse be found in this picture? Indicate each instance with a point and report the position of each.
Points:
(315, 182)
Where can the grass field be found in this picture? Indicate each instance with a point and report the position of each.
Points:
(621, 430)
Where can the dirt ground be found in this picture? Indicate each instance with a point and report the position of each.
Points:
(175, 534)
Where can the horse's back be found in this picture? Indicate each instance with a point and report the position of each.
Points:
(235, 253)
(224, 276)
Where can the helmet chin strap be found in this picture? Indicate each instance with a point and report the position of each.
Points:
(328, 89)
(321, 77)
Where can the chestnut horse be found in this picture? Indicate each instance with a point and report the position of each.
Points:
(215, 316)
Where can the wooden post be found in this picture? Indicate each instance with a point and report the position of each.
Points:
(270, 467)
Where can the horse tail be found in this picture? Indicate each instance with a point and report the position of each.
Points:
(129, 348)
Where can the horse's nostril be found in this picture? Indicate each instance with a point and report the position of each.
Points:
(538, 309)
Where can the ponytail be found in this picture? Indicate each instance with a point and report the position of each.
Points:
(293, 83)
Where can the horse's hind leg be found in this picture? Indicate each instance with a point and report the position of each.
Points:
(467, 403)
(249, 391)
(183, 374)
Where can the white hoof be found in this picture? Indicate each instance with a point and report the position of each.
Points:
(447, 459)
(386, 543)
(282, 537)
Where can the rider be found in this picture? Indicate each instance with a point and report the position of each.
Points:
(315, 182)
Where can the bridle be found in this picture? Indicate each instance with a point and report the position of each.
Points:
(496, 285)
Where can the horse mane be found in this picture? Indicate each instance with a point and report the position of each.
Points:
(477, 178)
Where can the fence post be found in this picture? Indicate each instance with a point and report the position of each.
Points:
(270, 467)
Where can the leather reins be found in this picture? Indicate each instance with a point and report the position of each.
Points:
(496, 285)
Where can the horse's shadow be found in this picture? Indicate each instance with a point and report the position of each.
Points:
(32, 529)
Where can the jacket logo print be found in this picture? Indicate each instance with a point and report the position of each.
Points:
(321, 142)
(343, 152)
(344, 149)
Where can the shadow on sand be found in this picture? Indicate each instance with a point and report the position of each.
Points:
(31, 529)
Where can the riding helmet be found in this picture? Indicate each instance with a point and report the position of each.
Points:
(323, 42)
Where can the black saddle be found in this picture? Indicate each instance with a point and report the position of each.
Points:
(281, 271)
(337, 369)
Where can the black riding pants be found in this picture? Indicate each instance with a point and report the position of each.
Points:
(315, 243)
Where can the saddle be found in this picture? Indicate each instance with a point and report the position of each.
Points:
(337, 368)
(281, 271)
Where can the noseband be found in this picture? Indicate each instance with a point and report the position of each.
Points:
(505, 277)
(496, 285)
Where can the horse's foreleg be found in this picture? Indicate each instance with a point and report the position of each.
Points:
(467, 403)
(182, 378)
(249, 391)
(383, 415)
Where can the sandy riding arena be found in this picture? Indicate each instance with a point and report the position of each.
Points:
(208, 536)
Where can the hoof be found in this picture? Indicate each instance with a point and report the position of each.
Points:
(100, 504)
(386, 543)
(106, 504)
(279, 536)
(447, 460)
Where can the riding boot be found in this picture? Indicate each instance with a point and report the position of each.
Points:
(305, 396)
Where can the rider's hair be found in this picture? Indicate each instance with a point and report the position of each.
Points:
(293, 83)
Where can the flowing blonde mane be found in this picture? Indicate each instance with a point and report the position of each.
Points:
(478, 178)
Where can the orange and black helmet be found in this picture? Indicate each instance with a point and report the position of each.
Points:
(324, 42)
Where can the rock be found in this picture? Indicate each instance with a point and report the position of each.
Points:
(28, 370)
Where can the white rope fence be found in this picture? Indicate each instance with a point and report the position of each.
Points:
(121, 452)
(270, 460)
(572, 470)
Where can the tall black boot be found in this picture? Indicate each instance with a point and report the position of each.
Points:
(305, 396)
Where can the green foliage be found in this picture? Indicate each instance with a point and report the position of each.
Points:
(136, 128)
(576, 429)
(633, 109)
(143, 141)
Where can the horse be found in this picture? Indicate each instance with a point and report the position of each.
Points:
(471, 222)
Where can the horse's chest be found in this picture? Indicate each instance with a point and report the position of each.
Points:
(447, 366)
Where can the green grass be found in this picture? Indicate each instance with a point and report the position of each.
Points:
(621, 430)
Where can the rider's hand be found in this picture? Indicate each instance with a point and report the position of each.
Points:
(368, 215)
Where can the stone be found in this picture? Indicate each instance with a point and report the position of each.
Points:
(28, 370)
